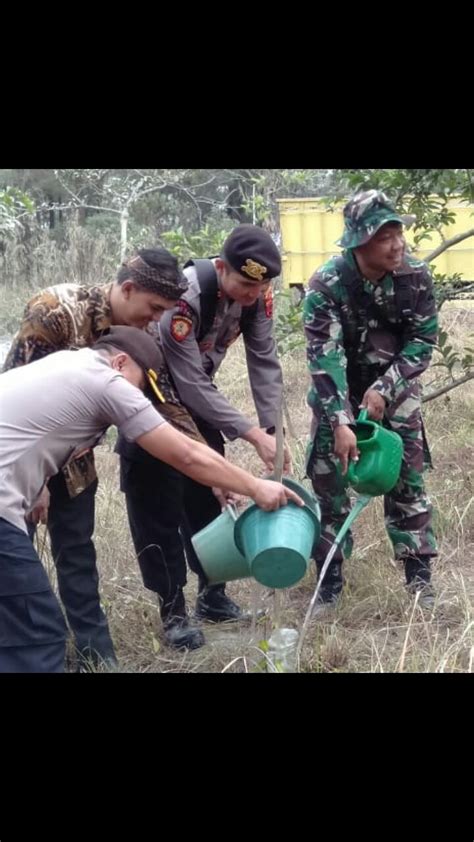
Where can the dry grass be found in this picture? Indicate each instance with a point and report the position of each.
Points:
(37, 260)
(376, 627)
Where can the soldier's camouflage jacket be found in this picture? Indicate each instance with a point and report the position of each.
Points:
(389, 357)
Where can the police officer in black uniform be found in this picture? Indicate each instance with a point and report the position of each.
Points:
(227, 296)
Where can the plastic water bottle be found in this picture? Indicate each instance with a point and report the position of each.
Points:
(282, 647)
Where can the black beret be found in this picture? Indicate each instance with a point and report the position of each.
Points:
(251, 252)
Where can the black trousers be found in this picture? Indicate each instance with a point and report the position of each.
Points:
(32, 627)
(154, 498)
(200, 504)
(71, 526)
(165, 509)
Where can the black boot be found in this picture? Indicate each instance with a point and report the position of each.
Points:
(331, 586)
(418, 578)
(213, 604)
(178, 631)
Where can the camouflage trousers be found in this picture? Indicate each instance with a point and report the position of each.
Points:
(408, 511)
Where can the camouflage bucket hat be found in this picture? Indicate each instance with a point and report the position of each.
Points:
(364, 215)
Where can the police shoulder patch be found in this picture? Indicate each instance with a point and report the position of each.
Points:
(183, 308)
(181, 327)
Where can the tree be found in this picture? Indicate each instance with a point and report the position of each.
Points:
(423, 194)
(14, 204)
(113, 191)
(189, 199)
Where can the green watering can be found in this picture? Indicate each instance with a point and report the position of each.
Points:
(376, 472)
(380, 458)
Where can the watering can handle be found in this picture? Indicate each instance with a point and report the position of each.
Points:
(232, 511)
(364, 416)
(351, 475)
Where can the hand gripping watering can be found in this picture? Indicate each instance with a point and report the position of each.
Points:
(380, 458)
(376, 472)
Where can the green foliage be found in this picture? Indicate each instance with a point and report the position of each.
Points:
(13, 204)
(41, 185)
(288, 324)
(449, 287)
(206, 242)
(256, 191)
(422, 193)
(107, 226)
(451, 360)
(265, 664)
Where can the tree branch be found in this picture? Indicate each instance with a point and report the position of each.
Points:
(66, 187)
(70, 206)
(444, 389)
(448, 243)
(140, 193)
(100, 208)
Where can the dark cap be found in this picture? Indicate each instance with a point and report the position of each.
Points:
(139, 345)
(251, 252)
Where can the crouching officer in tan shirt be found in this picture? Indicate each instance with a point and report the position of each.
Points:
(50, 410)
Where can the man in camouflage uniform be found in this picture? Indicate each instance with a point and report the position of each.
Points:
(370, 322)
(228, 296)
(70, 316)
